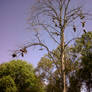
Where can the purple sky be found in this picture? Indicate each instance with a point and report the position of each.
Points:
(13, 28)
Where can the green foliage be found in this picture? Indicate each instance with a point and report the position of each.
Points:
(83, 48)
(75, 84)
(22, 74)
(7, 84)
(45, 63)
(46, 70)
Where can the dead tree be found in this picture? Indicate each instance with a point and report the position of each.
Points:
(53, 16)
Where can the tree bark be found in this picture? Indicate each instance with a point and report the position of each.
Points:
(62, 60)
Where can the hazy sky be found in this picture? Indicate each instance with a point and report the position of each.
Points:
(13, 28)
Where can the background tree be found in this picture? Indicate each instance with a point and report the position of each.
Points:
(17, 76)
(83, 48)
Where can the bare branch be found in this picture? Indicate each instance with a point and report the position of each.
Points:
(70, 41)
(66, 8)
(45, 27)
(51, 35)
(20, 51)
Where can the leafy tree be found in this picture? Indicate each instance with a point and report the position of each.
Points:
(21, 74)
(49, 75)
(7, 84)
(83, 48)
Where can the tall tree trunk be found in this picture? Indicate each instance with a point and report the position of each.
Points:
(62, 60)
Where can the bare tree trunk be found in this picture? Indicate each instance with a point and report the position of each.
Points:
(62, 60)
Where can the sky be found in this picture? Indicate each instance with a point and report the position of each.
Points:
(13, 29)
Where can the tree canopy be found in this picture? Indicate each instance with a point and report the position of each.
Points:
(18, 76)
